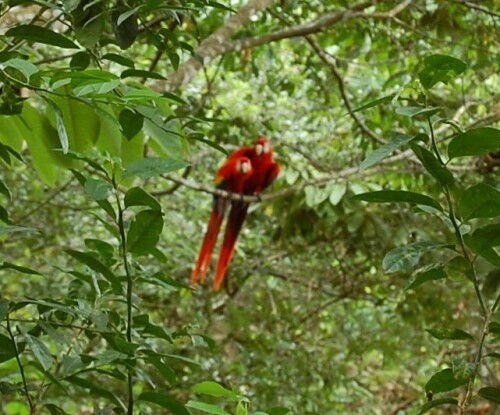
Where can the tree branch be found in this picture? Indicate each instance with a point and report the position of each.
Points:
(475, 6)
(320, 181)
(213, 45)
(330, 61)
(315, 26)
(218, 43)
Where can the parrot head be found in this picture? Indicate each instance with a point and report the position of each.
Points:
(262, 146)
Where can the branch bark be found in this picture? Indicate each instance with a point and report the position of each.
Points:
(214, 45)
(218, 43)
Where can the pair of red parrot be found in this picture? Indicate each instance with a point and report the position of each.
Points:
(249, 170)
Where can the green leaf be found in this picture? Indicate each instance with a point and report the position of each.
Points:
(7, 350)
(475, 142)
(61, 129)
(99, 88)
(6, 150)
(38, 34)
(449, 334)
(131, 123)
(97, 390)
(140, 94)
(4, 309)
(432, 165)
(153, 166)
(416, 111)
(96, 265)
(54, 409)
(105, 249)
(89, 21)
(381, 153)
(440, 68)
(4, 216)
(80, 61)
(435, 403)
(463, 370)
(139, 197)
(174, 59)
(398, 196)
(407, 257)
(337, 192)
(122, 60)
(165, 370)
(98, 189)
(443, 381)
(426, 275)
(40, 351)
(375, 103)
(81, 135)
(23, 66)
(125, 25)
(277, 410)
(494, 355)
(215, 389)
(483, 240)
(24, 270)
(140, 74)
(207, 408)
(42, 140)
(5, 190)
(221, 6)
(178, 99)
(120, 344)
(165, 401)
(494, 328)
(489, 393)
(144, 231)
(479, 201)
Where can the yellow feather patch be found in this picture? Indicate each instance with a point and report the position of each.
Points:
(218, 180)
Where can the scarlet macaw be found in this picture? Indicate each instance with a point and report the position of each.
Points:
(265, 170)
(230, 177)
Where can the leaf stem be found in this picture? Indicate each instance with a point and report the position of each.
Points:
(433, 140)
(468, 392)
(123, 241)
(21, 368)
(460, 238)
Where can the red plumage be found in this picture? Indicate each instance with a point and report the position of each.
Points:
(265, 171)
(230, 177)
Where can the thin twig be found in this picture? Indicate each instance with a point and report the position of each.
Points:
(475, 6)
(330, 61)
(21, 368)
(123, 242)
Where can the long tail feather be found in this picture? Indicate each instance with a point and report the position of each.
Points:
(209, 241)
(235, 221)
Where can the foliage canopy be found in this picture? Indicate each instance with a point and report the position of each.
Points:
(113, 119)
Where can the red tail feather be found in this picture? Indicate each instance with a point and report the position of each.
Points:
(231, 177)
(207, 247)
(235, 221)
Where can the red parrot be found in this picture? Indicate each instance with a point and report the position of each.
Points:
(265, 170)
(230, 177)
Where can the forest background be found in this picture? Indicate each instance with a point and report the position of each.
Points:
(114, 117)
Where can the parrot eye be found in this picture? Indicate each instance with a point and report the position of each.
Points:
(259, 149)
(267, 148)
